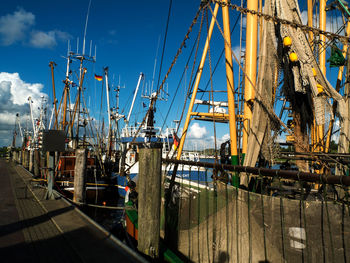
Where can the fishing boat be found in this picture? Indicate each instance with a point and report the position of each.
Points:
(134, 136)
(282, 109)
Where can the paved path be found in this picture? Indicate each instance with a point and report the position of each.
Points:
(33, 229)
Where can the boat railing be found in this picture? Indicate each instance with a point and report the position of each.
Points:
(267, 172)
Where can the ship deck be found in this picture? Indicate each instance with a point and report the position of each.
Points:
(33, 229)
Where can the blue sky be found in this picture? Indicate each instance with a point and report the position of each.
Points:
(126, 36)
(125, 33)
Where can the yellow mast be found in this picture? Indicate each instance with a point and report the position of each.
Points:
(230, 89)
(322, 64)
(198, 78)
(64, 111)
(51, 65)
(311, 40)
(250, 70)
(65, 96)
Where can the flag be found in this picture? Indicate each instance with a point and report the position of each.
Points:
(176, 141)
(99, 78)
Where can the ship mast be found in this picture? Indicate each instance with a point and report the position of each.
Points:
(109, 136)
(65, 96)
(250, 70)
(52, 65)
(196, 84)
(322, 64)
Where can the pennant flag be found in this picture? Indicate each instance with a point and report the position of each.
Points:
(99, 78)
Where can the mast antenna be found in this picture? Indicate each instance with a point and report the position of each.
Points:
(68, 47)
(86, 22)
(77, 45)
(155, 65)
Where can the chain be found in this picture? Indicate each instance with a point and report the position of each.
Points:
(266, 105)
(267, 17)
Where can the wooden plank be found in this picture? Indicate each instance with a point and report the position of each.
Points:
(149, 187)
(80, 176)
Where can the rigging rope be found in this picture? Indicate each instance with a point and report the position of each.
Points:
(266, 105)
(164, 43)
(267, 17)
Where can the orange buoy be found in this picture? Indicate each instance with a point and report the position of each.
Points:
(293, 57)
(287, 41)
(320, 89)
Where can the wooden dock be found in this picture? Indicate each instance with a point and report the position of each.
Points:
(33, 229)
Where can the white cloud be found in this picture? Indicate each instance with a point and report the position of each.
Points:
(331, 22)
(13, 27)
(336, 127)
(19, 27)
(63, 36)
(197, 132)
(14, 93)
(237, 51)
(21, 90)
(40, 39)
(198, 138)
(112, 32)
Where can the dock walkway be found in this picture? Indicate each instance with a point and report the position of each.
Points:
(33, 229)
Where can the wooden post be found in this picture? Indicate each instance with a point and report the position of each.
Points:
(31, 160)
(23, 158)
(80, 175)
(36, 163)
(149, 188)
(50, 175)
(26, 159)
(24, 155)
(13, 154)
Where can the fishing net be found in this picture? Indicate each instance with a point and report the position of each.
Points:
(262, 121)
(305, 87)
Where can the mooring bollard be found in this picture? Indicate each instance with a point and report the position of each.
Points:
(50, 175)
(31, 160)
(80, 176)
(36, 163)
(149, 189)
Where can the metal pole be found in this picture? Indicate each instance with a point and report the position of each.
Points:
(230, 88)
(250, 70)
(31, 115)
(52, 64)
(133, 100)
(108, 107)
(322, 64)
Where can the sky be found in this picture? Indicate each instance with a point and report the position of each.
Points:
(128, 37)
